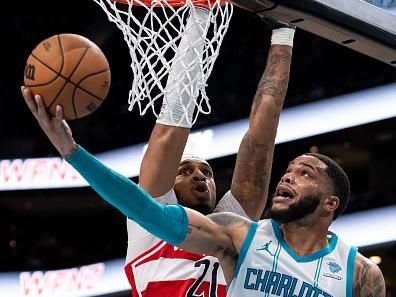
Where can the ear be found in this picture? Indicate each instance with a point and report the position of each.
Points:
(332, 203)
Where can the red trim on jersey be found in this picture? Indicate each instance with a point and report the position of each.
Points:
(155, 246)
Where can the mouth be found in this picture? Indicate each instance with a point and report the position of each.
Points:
(283, 193)
(201, 189)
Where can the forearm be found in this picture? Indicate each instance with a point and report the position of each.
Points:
(270, 95)
(168, 222)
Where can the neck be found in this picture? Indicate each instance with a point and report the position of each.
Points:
(305, 238)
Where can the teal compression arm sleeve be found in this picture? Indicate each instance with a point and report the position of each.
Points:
(168, 222)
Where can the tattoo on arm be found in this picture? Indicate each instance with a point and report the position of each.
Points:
(275, 78)
(190, 228)
(368, 281)
(223, 219)
(252, 157)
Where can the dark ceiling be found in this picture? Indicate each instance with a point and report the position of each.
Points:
(58, 228)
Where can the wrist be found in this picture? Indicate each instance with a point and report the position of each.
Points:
(175, 114)
(68, 151)
(283, 36)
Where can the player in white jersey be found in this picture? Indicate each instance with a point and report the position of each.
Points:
(269, 267)
(153, 267)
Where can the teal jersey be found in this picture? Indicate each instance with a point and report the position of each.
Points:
(267, 266)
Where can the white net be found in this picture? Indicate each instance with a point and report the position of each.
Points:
(166, 65)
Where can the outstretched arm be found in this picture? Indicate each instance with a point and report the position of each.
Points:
(254, 160)
(368, 279)
(221, 235)
(173, 223)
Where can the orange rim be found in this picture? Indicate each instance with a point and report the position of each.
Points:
(173, 3)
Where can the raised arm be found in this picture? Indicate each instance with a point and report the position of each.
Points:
(368, 279)
(254, 159)
(169, 136)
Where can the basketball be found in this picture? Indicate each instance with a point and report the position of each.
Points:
(71, 71)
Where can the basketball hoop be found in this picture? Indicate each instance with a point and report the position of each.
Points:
(153, 31)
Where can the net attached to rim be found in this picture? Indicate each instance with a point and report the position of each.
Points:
(153, 31)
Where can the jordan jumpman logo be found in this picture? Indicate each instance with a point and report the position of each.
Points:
(265, 247)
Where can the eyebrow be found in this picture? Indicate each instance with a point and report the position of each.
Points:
(310, 166)
(188, 162)
(184, 163)
(305, 164)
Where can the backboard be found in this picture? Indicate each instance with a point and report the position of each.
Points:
(355, 24)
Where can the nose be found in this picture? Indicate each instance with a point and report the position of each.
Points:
(198, 175)
(287, 178)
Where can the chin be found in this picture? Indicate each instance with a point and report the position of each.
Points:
(279, 210)
(203, 204)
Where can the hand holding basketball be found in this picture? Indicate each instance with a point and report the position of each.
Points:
(71, 71)
(56, 128)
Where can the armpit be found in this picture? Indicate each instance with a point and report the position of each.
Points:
(226, 219)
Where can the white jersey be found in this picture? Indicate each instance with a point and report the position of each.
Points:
(267, 266)
(155, 268)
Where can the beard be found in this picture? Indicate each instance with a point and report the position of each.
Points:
(296, 211)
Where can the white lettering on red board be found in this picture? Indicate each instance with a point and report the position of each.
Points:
(59, 282)
(30, 172)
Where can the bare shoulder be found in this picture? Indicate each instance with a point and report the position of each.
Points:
(368, 279)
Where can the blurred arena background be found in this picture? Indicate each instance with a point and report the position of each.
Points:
(56, 229)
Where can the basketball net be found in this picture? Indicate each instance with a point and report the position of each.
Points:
(153, 31)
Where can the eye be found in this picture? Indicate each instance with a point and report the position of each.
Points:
(207, 172)
(185, 171)
(305, 173)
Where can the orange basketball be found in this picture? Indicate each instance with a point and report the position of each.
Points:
(71, 71)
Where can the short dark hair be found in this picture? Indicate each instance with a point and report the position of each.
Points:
(339, 179)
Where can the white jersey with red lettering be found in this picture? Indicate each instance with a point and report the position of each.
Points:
(155, 268)
(268, 267)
